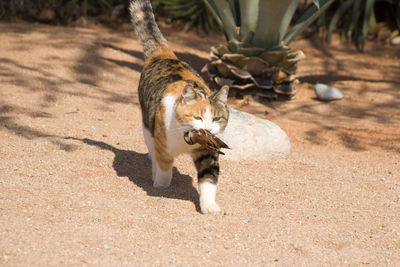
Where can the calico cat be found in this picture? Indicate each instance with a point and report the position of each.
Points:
(174, 99)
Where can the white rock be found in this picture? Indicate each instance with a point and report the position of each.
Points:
(327, 93)
(395, 40)
(252, 138)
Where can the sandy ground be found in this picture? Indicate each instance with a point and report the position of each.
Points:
(75, 186)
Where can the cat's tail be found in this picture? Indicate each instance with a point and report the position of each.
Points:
(145, 26)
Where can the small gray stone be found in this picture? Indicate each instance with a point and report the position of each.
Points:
(395, 40)
(327, 93)
(252, 138)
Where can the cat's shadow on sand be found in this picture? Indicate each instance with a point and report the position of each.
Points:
(137, 167)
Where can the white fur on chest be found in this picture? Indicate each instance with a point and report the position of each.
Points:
(174, 131)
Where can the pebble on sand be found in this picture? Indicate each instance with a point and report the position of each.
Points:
(395, 40)
(327, 93)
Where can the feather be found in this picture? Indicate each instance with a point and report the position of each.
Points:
(206, 140)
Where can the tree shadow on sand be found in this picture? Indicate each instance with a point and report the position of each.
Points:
(195, 61)
(137, 167)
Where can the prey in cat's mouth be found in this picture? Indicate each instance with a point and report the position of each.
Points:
(205, 139)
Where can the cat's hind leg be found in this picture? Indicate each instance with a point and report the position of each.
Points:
(149, 141)
(207, 166)
(163, 162)
(163, 175)
(160, 161)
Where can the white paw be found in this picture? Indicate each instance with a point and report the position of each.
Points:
(162, 184)
(209, 207)
(162, 181)
(162, 178)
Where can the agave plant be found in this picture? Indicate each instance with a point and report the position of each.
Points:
(257, 56)
(357, 19)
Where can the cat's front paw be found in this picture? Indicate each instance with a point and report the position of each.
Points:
(209, 207)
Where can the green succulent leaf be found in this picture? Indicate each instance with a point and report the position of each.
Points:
(213, 9)
(248, 19)
(344, 7)
(220, 50)
(316, 3)
(366, 23)
(273, 21)
(397, 13)
(311, 14)
(235, 8)
(222, 10)
(273, 57)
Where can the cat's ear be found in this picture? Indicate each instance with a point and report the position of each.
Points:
(188, 94)
(222, 94)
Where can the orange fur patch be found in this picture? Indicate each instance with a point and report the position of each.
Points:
(160, 140)
(165, 53)
(162, 53)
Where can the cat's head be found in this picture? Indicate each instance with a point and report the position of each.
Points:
(198, 110)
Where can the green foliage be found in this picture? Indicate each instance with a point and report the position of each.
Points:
(194, 12)
(357, 18)
(263, 23)
(65, 10)
(91, 7)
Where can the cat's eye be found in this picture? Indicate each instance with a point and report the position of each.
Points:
(216, 118)
(198, 118)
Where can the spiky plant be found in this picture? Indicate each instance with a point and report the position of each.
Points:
(194, 12)
(356, 18)
(257, 56)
